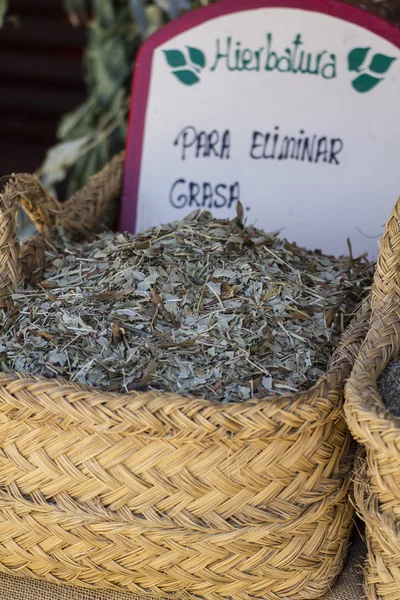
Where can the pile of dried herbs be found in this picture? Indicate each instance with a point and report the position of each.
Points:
(202, 306)
(389, 387)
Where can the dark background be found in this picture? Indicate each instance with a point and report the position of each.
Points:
(40, 79)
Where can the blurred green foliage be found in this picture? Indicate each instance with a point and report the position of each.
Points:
(3, 10)
(95, 131)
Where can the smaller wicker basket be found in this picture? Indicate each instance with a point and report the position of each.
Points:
(377, 484)
(90, 209)
(158, 494)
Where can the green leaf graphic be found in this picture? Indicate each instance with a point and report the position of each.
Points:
(175, 58)
(365, 83)
(197, 57)
(356, 58)
(187, 77)
(380, 63)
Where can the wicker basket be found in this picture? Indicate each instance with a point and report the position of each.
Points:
(162, 495)
(377, 487)
(347, 587)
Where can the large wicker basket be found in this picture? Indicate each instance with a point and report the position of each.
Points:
(377, 486)
(159, 494)
(347, 587)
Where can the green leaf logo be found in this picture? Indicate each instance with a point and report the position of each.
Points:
(367, 80)
(186, 76)
(364, 83)
(175, 58)
(381, 63)
(186, 67)
(356, 58)
(197, 57)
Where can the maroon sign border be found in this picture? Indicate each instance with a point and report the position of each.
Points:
(142, 73)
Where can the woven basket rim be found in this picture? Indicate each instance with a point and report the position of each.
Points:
(367, 414)
(294, 404)
(90, 514)
(376, 410)
(368, 418)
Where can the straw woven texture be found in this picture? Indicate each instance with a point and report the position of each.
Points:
(383, 539)
(348, 586)
(88, 210)
(377, 490)
(163, 495)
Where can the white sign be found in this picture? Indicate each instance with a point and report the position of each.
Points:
(290, 107)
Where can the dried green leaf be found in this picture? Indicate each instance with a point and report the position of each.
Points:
(149, 372)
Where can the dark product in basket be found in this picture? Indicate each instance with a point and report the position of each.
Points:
(389, 387)
(205, 307)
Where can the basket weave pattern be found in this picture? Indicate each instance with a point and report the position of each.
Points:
(348, 586)
(163, 495)
(377, 487)
(383, 539)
